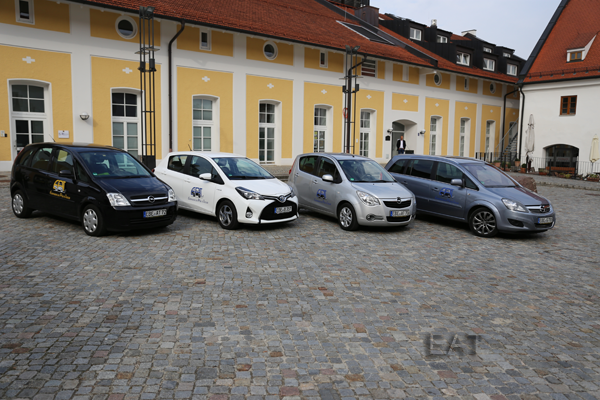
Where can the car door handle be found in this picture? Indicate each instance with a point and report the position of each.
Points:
(187, 181)
(315, 181)
(434, 188)
(296, 174)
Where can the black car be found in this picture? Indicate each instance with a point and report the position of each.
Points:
(103, 187)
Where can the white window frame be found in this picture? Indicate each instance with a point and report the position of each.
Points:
(130, 20)
(490, 131)
(465, 58)
(487, 50)
(208, 33)
(492, 88)
(276, 125)
(276, 51)
(489, 64)
(511, 69)
(465, 130)
(323, 59)
(507, 55)
(125, 120)
(45, 117)
(442, 39)
(365, 136)
(324, 129)
(31, 19)
(574, 51)
(374, 67)
(213, 124)
(435, 125)
(413, 34)
(466, 84)
(439, 82)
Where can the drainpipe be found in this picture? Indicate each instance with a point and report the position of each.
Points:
(504, 119)
(171, 87)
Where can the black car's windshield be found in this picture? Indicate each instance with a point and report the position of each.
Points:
(113, 164)
(239, 168)
(489, 176)
(359, 170)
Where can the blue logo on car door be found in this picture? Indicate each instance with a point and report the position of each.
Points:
(446, 192)
(196, 192)
(321, 194)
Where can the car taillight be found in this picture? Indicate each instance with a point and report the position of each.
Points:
(153, 170)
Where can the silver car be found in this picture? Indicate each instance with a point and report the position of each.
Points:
(473, 191)
(354, 189)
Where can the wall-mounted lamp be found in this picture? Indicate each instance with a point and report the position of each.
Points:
(84, 116)
(421, 133)
(390, 131)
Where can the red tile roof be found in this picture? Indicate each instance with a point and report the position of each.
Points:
(306, 21)
(578, 23)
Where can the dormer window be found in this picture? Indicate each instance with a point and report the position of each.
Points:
(487, 50)
(507, 55)
(489, 64)
(442, 39)
(511, 69)
(463, 58)
(575, 55)
(415, 34)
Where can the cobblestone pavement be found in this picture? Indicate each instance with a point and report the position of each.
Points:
(301, 311)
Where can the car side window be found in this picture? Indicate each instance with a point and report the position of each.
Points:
(63, 161)
(446, 172)
(308, 164)
(469, 183)
(177, 163)
(326, 166)
(422, 169)
(41, 159)
(80, 174)
(401, 166)
(199, 166)
(25, 157)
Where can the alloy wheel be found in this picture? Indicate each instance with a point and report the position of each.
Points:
(346, 217)
(225, 215)
(484, 223)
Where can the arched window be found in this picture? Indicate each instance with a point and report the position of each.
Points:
(29, 112)
(126, 120)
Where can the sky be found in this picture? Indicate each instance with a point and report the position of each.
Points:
(516, 24)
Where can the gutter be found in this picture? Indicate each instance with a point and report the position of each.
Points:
(504, 119)
(522, 118)
(171, 86)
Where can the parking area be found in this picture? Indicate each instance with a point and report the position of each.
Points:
(301, 310)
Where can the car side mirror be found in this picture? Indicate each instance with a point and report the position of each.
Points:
(207, 176)
(457, 182)
(65, 173)
(327, 178)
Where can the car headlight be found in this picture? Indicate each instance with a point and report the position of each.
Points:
(367, 198)
(292, 193)
(249, 194)
(514, 206)
(172, 196)
(117, 200)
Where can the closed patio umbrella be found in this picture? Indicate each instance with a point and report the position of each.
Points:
(530, 139)
(595, 151)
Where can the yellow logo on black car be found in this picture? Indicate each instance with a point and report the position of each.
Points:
(58, 189)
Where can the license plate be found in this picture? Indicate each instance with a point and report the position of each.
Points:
(400, 213)
(283, 210)
(155, 213)
(547, 220)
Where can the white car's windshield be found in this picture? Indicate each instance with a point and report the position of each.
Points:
(113, 164)
(489, 176)
(358, 170)
(237, 168)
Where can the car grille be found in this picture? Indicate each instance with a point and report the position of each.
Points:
(395, 204)
(542, 209)
(268, 213)
(398, 219)
(145, 200)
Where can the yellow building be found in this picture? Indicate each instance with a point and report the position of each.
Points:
(269, 89)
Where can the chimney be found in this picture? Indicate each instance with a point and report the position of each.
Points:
(434, 22)
(368, 14)
(471, 31)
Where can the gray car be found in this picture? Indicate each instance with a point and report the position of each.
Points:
(470, 190)
(354, 189)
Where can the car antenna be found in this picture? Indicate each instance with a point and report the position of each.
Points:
(52, 138)
(189, 147)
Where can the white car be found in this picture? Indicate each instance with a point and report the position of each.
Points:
(229, 186)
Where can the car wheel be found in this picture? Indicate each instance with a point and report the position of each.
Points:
(347, 217)
(227, 215)
(483, 223)
(20, 205)
(92, 221)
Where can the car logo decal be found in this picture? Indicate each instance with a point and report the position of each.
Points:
(196, 192)
(446, 192)
(544, 208)
(399, 200)
(151, 199)
(321, 194)
(281, 199)
(59, 189)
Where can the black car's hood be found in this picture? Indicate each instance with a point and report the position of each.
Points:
(133, 186)
(520, 194)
